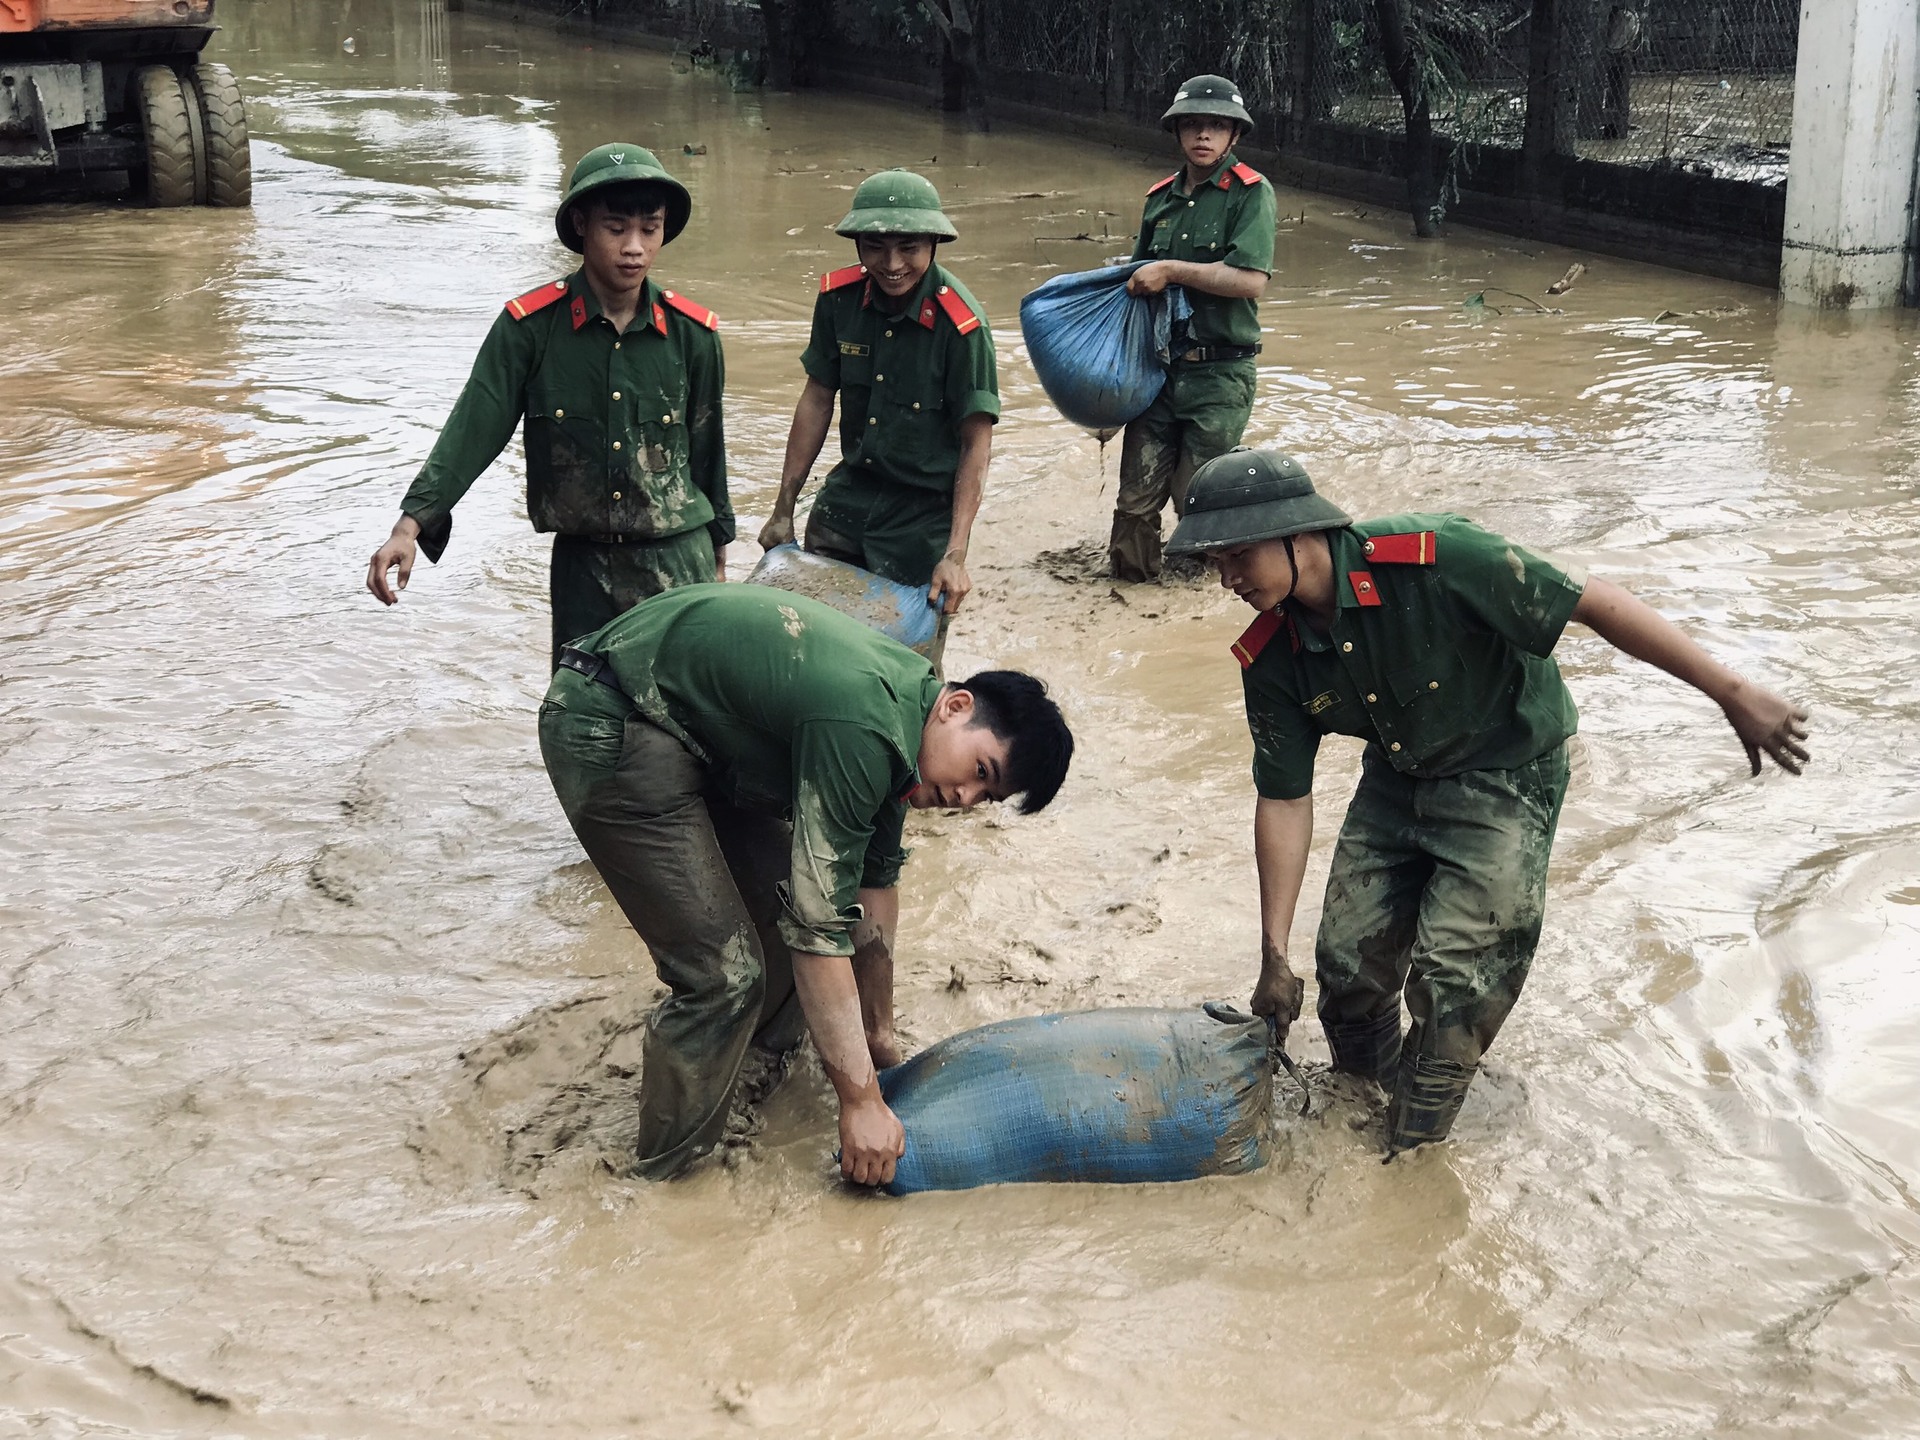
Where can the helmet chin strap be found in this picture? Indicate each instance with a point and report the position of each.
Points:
(1293, 564)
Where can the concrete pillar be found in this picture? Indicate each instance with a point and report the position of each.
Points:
(1856, 130)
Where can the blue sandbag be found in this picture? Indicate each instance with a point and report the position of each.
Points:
(900, 612)
(1101, 354)
(1097, 1095)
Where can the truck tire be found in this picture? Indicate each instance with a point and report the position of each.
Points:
(223, 117)
(167, 130)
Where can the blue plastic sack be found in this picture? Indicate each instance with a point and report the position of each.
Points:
(900, 612)
(1096, 1095)
(1101, 354)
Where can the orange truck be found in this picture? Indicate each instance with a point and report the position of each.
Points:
(105, 87)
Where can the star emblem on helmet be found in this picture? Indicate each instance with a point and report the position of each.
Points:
(619, 157)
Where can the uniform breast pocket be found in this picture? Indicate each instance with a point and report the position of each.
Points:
(1430, 697)
(1206, 237)
(1160, 238)
(660, 426)
(566, 468)
(912, 389)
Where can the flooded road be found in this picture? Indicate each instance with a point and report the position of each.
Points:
(316, 1027)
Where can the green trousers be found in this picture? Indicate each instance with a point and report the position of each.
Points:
(1437, 892)
(1201, 412)
(591, 582)
(899, 531)
(696, 878)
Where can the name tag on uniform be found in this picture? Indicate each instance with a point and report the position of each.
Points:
(1326, 700)
(847, 347)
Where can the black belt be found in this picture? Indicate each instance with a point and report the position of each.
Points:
(594, 667)
(1200, 354)
(602, 539)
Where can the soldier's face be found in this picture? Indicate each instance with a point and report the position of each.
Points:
(896, 263)
(1204, 139)
(619, 249)
(1257, 572)
(961, 763)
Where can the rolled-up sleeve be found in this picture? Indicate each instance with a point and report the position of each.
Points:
(707, 431)
(843, 776)
(1250, 239)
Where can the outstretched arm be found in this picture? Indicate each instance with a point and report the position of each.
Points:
(1762, 720)
(808, 434)
(1282, 833)
(871, 1137)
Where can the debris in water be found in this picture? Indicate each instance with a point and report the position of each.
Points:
(693, 149)
(1565, 282)
(348, 45)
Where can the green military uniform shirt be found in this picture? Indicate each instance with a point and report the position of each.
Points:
(1230, 216)
(908, 372)
(623, 431)
(1446, 664)
(798, 710)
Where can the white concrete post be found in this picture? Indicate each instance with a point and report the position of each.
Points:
(1856, 130)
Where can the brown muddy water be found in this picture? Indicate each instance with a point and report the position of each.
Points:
(315, 1026)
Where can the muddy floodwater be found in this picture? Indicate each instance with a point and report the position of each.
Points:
(317, 1030)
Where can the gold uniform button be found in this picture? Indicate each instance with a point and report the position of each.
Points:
(1395, 747)
(616, 444)
(1346, 645)
(1372, 698)
(916, 404)
(667, 419)
(873, 419)
(616, 344)
(616, 494)
(616, 394)
(889, 334)
(559, 284)
(943, 289)
(559, 414)
(1433, 684)
(1367, 548)
(878, 378)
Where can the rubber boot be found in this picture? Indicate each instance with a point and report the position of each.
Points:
(1426, 1099)
(1367, 1047)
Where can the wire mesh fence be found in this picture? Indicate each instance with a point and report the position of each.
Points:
(1701, 86)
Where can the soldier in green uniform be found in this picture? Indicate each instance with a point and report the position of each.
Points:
(619, 382)
(738, 761)
(906, 347)
(1207, 228)
(1431, 639)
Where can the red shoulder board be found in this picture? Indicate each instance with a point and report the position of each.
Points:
(840, 279)
(1411, 549)
(1248, 647)
(958, 311)
(1246, 174)
(521, 306)
(1156, 188)
(699, 314)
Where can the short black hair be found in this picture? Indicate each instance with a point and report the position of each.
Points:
(623, 200)
(1017, 709)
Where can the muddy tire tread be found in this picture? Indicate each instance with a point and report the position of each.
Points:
(168, 136)
(223, 112)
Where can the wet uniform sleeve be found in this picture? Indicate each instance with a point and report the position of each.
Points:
(1250, 242)
(707, 439)
(843, 775)
(973, 384)
(821, 358)
(479, 428)
(1285, 741)
(885, 854)
(1524, 597)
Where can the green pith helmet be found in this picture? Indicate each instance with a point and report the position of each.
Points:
(1207, 95)
(1246, 495)
(616, 165)
(896, 202)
